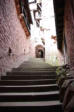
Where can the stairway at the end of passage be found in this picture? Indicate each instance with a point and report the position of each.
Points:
(31, 87)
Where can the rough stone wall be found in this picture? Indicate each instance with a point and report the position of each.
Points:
(69, 30)
(12, 36)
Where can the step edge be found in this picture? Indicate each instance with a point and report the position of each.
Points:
(40, 103)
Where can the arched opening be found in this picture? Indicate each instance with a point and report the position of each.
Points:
(40, 51)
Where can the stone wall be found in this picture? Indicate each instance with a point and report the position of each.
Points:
(12, 36)
(69, 30)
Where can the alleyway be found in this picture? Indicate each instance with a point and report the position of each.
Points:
(30, 88)
(37, 55)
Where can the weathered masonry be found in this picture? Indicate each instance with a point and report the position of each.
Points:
(15, 17)
(64, 17)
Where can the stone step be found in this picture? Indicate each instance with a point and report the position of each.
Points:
(39, 106)
(29, 88)
(31, 73)
(23, 97)
(32, 68)
(36, 70)
(36, 65)
(27, 77)
(28, 82)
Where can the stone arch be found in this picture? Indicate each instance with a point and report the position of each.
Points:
(40, 51)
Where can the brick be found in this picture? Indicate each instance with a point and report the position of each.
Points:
(11, 35)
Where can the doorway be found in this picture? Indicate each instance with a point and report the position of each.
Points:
(40, 51)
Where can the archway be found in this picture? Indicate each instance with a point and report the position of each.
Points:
(40, 51)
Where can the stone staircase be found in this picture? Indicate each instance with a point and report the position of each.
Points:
(30, 88)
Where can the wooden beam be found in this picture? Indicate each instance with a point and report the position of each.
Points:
(60, 25)
(34, 1)
(60, 19)
(20, 17)
(60, 10)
